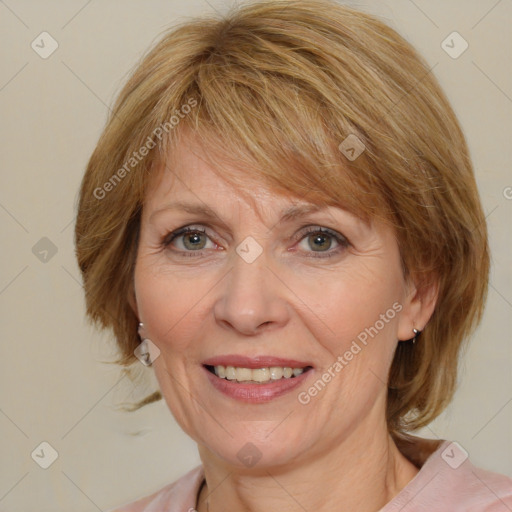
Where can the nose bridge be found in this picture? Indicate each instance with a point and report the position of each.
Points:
(251, 296)
(251, 265)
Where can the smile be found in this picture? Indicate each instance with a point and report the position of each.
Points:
(256, 385)
(256, 375)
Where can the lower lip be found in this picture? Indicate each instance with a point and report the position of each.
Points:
(256, 393)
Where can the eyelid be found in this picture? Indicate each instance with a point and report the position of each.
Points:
(302, 231)
(316, 228)
(175, 233)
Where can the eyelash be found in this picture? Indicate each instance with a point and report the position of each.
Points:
(342, 241)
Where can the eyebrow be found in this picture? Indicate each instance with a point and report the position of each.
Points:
(290, 213)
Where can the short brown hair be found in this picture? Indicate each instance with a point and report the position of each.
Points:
(274, 87)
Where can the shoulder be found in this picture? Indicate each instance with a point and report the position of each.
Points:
(487, 491)
(477, 489)
(448, 480)
(176, 496)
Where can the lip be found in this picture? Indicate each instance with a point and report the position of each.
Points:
(255, 362)
(256, 393)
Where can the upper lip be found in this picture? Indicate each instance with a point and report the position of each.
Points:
(262, 361)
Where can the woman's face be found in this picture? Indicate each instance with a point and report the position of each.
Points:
(249, 288)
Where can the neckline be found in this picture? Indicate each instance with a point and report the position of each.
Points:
(418, 450)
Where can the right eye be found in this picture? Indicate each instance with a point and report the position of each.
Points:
(189, 239)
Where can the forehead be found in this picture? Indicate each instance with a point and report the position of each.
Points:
(190, 176)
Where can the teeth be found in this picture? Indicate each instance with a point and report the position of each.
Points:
(256, 375)
(276, 372)
(259, 375)
(243, 374)
(230, 373)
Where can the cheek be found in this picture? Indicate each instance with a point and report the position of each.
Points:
(357, 304)
(359, 335)
(169, 305)
(171, 308)
(360, 321)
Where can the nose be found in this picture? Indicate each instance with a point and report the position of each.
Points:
(252, 298)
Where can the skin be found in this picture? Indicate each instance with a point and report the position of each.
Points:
(287, 303)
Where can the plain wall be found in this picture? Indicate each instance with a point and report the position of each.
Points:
(53, 384)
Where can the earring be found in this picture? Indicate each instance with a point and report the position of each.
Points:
(416, 334)
(147, 351)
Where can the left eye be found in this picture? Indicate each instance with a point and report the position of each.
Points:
(321, 239)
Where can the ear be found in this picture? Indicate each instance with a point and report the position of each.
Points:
(419, 304)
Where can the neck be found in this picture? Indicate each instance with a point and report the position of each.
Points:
(363, 473)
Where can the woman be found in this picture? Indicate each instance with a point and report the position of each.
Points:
(281, 218)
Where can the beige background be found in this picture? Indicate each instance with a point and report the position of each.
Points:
(53, 386)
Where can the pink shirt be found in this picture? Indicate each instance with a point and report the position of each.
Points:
(447, 482)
